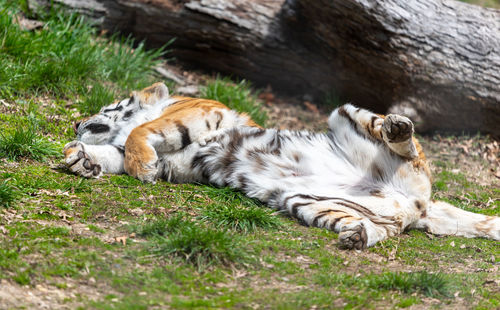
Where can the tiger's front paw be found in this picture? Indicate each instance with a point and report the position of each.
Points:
(79, 161)
(397, 128)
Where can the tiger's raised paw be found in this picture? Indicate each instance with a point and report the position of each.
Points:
(80, 162)
(353, 238)
(397, 128)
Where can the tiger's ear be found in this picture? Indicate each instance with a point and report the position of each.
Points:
(150, 95)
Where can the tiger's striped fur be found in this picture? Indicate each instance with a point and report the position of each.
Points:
(366, 178)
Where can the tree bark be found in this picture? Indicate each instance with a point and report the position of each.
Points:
(437, 61)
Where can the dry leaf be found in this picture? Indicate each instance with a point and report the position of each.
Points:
(122, 240)
(136, 211)
(311, 107)
(267, 97)
(27, 24)
(452, 243)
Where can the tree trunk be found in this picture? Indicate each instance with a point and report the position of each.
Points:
(436, 61)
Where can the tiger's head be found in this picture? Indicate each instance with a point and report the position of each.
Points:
(102, 127)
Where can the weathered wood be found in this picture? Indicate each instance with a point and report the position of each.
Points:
(438, 61)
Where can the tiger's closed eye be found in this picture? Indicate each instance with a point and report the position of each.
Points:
(97, 128)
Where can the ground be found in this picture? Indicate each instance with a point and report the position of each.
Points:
(115, 243)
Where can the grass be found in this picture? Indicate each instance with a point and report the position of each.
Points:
(231, 209)
(116, 243)
(431, 285)
(239, 218)
(238, 96)
(7, 193)
(159, 227)
(95, 98)
(25, 141)
(200, 246)
(65, 58)
(191, 242)
(485, 3)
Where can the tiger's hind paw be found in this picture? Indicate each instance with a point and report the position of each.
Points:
(397, 128)
(354, 238)
(397, 132)
(80, 162)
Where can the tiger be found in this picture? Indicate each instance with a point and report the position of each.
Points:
(366, 178)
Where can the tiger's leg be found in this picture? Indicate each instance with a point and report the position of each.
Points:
(395, 130)
(92, 161)
(166, 135)
(146, 142)
(442, 218)
(356, 229)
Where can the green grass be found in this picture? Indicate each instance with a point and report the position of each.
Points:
(243, 219)
(65, 58)
(486, 3)
(432, 285)
(25, 141)
(7, 193)
(196, 244)
(159, 227)
(231, 209)
(95, 98)
(238, 96)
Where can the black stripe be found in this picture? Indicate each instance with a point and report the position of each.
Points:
(337, 219)
(318, 217)
(219, 119)
(345, 202)
(118, 108)
(120, 148)
(374, 118)
(342, 112)
(97, 128)
(297, 205)
(184, 131)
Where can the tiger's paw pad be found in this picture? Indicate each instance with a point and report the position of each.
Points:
(397, 128)
(80, 162)
(353, 238)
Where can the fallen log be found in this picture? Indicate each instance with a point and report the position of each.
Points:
(436, 61)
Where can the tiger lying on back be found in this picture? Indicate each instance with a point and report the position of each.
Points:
(366, 178)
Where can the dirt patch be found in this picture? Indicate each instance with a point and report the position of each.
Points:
(46, 296)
